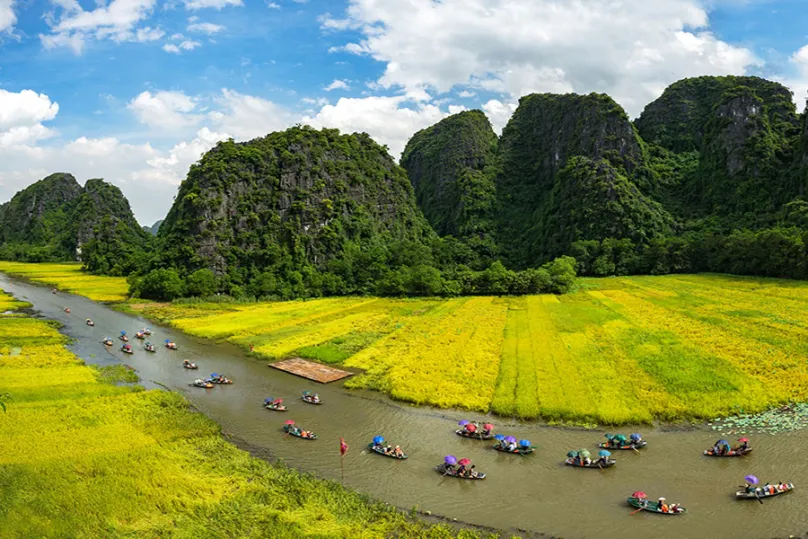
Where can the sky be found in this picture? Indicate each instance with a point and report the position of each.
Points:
(135, 91)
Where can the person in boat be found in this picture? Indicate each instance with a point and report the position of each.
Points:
(587, 461)
(674, 508)
(661, 505)
(67, 310)
(512, 446)
(602, 461)
(486, 432)
(744, 446)
(749, 488)
(461, 470)
(472, 471)
(397, 452)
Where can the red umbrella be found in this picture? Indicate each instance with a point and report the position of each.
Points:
(279, 401)
(288, 422)
(471, 428)
(639, 494)
(488, 426)
(464, 462)
(743, 439)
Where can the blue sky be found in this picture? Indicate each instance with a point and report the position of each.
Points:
(134, 91)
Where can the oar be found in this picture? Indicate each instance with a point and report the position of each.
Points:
(637, 511)
(634, 449)
(758, 497)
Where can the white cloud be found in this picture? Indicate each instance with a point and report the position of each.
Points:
(465, 94)
(187, 45)
(387, 119)
(205, 28)
(175, 37)
(148, 34)
(498, 113)
(116, 21)
(216, 4)
(247, 117)
(337, 85)
(273, 5)
(628, 49)
(165, 110)
(25, 108)
(7, 16)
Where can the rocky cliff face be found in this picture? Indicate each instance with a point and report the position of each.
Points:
(451, 166)
(545, 132)
(294, 197)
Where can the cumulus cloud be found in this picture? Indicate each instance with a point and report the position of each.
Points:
(205, 28)
(215, 4)
(337, 85)
(25, 108)
(165, 110)
(629, 49)
(7, 16)
(187, 45)
(247, 117)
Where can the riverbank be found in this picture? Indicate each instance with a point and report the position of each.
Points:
(85, 456)
(688, 347)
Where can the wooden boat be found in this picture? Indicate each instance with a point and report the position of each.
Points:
(146, 331)
(140, 335)
(310, 399)
(296, 435)
(763, 492)
(201, 383)
(171, 346)
(150, 348)
(651, 507)
(124, 338)
(276, 407)
(474, 435)
(628, 447)
(517, 451)
(594, 464)
(90, 322)
(380, 451)
(191, 366)
(108, 342)
(441, 469)
(220, 381)
(126, 350)
(731, 453)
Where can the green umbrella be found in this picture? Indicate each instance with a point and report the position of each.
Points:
(584, 453)
(572, 454)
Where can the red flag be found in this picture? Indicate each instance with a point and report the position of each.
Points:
(343, 447)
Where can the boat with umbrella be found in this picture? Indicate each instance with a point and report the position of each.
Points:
(753, 490)
(311, 398)
(473, 430)
(123, 337)
(170, 345)
(107, 341)
(149, 347)
(721, 450)
(619, 441)
(377, 446)
(290, 428)
(274, 404)
(127, 349)
(582, 459)
(447, 467)
(507, 444)
(639, 500)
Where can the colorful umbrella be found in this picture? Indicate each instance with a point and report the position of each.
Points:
(723, 442)
(524, 443)
(463, 422)
(288, 422)
(620, 437)
(639, 494)
(168, 341)
(471, 427)
(307, 392)
(636, 437)
(450, 459)
(743, 439)
(123, 333)
(584, 453)
(268, 400)
(510, 440)
(572, 454)
(378, 439)
(751, 479)
(280, 401)
(464, 462)
(609, 436)
(499, 437)
(214, 375)
(488, 426)
(604, 453)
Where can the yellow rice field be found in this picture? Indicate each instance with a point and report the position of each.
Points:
(621, 350)
(70, 278)
(82, 457)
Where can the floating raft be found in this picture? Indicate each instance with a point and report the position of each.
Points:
(313, 371)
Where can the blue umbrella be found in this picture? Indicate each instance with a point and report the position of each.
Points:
(268, 400)
(636, 437)
(214, 375)
(450, 459)
(604, 453)
(463, 422)
(524, 443)
(307, 392)
(123, 333)
(378, 439)
(722, 442)
(167, 341)
(499, 437)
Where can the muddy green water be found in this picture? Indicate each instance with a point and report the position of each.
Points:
(535, 492)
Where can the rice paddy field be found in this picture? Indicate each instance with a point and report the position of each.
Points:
(70, 278)
(85, 456)
(619, 351)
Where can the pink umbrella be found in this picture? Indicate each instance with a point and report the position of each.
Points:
(639, 494)
(743, 439)
(464, 462)
(288, 422)
(471, 428)
(488, 426)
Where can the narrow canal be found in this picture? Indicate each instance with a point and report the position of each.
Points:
(535, 492)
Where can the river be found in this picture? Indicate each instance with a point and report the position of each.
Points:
(535, 492)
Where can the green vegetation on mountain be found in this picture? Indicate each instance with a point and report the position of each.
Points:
(55, 219)
(451, 166)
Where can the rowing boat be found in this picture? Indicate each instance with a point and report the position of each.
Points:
(652, 507)
(517, 451)
(380, 450)
(594, 464)
(441, 469)
(763, 492)
(296, 433)
(733, 453)
(629, 446)
(474, 435)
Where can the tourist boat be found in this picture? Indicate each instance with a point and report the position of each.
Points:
(763, 492)
(171, 346)
(296, 433)
(90, 322)
(651, 507)
(124, 338)
(149, 347)
(140, 335)
(219, 380)
(629, 446)
(277, 407)
(442, 469)
(202, 383)
(731, 453)
(146, 331)
(188, 365)
(108, 341)
(594, 464)
(474, 435)
(310, 399)
(127, 349)
(517, 451)
(380, 450)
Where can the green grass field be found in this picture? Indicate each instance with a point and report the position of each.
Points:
(84, 457)
(70, 278)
